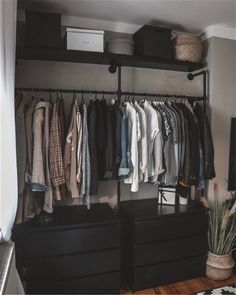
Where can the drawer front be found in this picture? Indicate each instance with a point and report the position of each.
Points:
(58, 242)
(170, 227)
(165, 273)
(99, 284)
(170, 250)
(65, 267)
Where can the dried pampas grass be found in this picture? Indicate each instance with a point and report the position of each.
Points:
(222, 224)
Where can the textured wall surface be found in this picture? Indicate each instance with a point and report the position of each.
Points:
(221, 60)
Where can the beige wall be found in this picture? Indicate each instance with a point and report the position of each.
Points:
(221, 60)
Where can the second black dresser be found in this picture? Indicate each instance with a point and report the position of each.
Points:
(162, 244)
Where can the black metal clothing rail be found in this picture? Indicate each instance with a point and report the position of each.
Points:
(117, 93)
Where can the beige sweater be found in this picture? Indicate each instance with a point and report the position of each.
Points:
(70, 157)
(40, 171)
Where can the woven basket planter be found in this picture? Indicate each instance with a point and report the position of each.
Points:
(219, 267)
(188, 48)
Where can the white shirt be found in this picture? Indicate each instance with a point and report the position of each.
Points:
(158, 152)
(133, 137)
(79, 146)
(152, 130)
(142, 145)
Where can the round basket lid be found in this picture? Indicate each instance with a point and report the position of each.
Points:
(187, 39)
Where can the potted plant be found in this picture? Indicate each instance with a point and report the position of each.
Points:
(221, 238)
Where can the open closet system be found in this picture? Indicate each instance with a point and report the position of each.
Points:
(99, 250)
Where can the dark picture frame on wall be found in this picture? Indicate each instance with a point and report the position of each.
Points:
(232, 157)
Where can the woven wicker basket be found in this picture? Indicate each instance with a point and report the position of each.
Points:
(188, 48)
(219, 267)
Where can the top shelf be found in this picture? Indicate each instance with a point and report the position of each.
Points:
(63, 55)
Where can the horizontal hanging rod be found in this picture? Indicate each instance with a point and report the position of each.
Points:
(65, 90)
(161, 95)
(122, 93)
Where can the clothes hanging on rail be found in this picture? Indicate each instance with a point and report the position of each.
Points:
(41, 180)
(29, 137)
(110, 143)
(167, 143)
(20, 107)
(56, 147)
(85, 161)
(117, 114)
(142, 144)
(70, 155)
(92, 122)
(124, 165)
(21, 154)
(206, 143)
(133, 139)
(31, 201)
(175, 149)
(101, 136)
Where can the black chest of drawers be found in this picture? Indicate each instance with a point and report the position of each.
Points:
(78, 253)
(162, 244)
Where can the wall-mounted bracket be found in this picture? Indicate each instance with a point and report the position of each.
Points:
(113, 67)
(191, 76)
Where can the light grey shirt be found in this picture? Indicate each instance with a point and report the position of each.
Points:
(85, 161)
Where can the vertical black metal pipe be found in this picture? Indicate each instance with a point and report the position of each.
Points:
(204, 106)
(204, 97)
(119, 93)
(204, 91)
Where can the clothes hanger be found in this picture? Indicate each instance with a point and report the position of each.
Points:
(126, 100)
(74, 96)
(188, 104)
(90, 96)
(75, 101)
(154, 103)
(82, 99)
(50, 97)
(57, 96)
(143, 100)
(61, 95)
(113, 101)
(19, 97)
(133, 99)
(41, 98)
(32, 93)
(194, 104)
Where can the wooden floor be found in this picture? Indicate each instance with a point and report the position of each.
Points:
(185, 287)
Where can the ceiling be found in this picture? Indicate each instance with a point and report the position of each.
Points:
(186, 15)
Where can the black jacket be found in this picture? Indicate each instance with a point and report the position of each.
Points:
(207, 142)
(93, 148)
(101, 132)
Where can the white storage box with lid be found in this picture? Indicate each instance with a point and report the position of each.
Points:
(84, 40)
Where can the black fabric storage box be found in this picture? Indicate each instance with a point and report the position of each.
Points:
(43, 29)
(153, 41)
